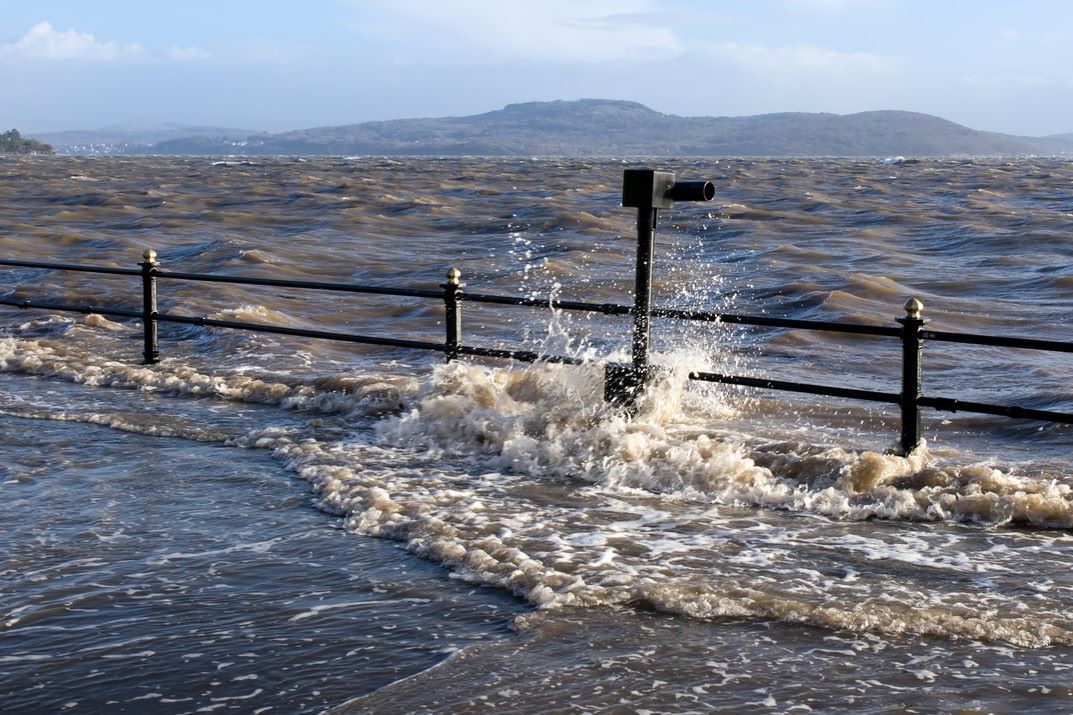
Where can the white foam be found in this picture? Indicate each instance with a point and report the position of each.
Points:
(565, 502)
(338, 393)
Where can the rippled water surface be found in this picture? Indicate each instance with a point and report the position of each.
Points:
(272, 522)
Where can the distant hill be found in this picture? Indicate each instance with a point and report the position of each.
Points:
(11, 142)
(134, 138)
(598, 127)
(1061, 143)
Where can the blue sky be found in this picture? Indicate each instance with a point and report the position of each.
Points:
(67, 64)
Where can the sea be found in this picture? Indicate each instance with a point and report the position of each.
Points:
(269, 523)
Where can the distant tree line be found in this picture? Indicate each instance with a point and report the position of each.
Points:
(11, 142)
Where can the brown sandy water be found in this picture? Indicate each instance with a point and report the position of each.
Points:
(726, 549)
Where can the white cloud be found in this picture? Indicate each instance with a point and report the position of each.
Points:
(799, 59)
(188, 53)
(550, 30)
(43, 42)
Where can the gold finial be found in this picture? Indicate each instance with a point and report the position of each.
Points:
(149, 255)
(454, 276)
(913, 308)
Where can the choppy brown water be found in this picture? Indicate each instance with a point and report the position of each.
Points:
(726, 549)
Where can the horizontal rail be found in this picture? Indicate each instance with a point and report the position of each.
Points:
(70, 308)
(730, 318)
(950, 405)
(605, 308)
(73, 267)
(237, 280)
(769, 322)
(786, 386)
(520, 355)
(310, 285)
(944, 404)
(998, 341)
(301, 332)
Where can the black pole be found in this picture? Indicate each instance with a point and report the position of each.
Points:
(149, 312)
(648, 191)
(642, 291)
(912, 375)
(452, 313)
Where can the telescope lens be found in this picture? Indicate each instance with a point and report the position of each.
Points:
(692, 191)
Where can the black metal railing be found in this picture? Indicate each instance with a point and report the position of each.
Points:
(649, 192)
(911, 333)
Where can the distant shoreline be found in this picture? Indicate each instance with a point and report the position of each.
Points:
(588, 128)
(651, 158)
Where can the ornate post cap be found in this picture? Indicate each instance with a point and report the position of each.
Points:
(149, 256)
(454, 277)
(913, 308)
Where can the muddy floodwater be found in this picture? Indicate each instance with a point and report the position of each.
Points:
(269, 523)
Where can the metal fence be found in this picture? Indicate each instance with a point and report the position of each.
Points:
(648, 191)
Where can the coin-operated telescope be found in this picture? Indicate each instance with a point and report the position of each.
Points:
(648, 191)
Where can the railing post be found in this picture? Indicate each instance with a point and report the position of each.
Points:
(452, 290)
(149, 312)
(912, 372)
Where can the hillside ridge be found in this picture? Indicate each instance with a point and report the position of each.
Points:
(609, 127)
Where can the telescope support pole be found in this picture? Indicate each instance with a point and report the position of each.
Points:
(642, 291)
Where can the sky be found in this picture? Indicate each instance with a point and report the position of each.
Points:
(997, 65)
